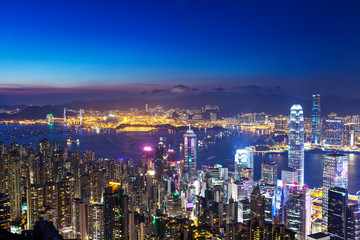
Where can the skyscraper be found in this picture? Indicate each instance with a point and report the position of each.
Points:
(298, 211)
(315, 120)
(335, 174)
(244, 158)
(333, 132)
(269, 172)
(5, 215)
(257, 204)
(190, 153)
(115, 213)
(337, 208)
(296, 141)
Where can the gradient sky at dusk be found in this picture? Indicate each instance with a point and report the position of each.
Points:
(57, 47)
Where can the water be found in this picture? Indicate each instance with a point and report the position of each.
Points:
(130, 145)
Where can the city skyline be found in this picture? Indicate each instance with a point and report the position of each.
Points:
(179, 120)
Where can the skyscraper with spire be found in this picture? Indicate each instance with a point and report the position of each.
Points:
(316, 120)
(190, 153)
(296, 141)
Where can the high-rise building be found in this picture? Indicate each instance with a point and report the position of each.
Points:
(35, 204)
(269, 172)
(353, 222)
(96, 222)
(244, 210)
(244, 158)
(298, 211)
(159, 160)
(296, 141)
(335, 174)
(337, 208)
(316, 120)
(333, 132)
(279, 202)
(147, 157)
(115, 213)
(257, 204)
(190, 153)
(79, 219)
(5, 214)
(290, 175)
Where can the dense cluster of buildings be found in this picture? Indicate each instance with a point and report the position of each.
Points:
(161, 197)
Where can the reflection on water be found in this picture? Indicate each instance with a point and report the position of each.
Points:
(130, 144)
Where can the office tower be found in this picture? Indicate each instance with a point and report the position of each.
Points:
(64, 115)
(190, 153)
(298, 211)
(257, 204)
(337, 208)
(96, 222)
(296, 141)
(79, 219)
(335, 174)
(316, 120)
(244, 158)
(290, 175)
(269, 172)
(269, 200)
(147, 158)
(333, 132)
(115, 213)
(279, 202)
(244, 210)
(159, 160)
(5, 213)
(353, 222)
(240, 189)
(35, 204)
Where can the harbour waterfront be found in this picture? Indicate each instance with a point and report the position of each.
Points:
(130, 145)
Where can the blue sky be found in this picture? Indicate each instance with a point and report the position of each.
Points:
(141, 45)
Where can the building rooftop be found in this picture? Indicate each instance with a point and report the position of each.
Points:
(318, 235)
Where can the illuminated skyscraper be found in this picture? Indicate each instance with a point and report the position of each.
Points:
(316, 120)
(296, 141)
(298, 211)
(159, 160)
(257, 204)
(244, 158)
(269, 172)
(115, 213)
(96, 222)
(335, 174)
(190, 153)
(337, 208)
(147, 158)
(290, 175)
(5, 215)
(333, 132)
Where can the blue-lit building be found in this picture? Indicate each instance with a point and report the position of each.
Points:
(296, 141)
(316, 120)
